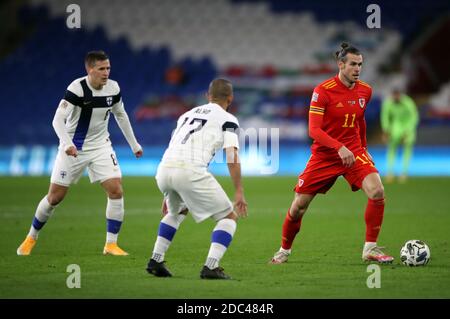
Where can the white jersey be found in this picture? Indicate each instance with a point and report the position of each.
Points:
(199, 134)
(88, 113)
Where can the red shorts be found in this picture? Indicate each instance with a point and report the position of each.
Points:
(320, 174)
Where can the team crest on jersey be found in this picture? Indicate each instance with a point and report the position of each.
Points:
(362, 102)
(109, 100)
(300, 182)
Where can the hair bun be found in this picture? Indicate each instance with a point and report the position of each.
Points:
(344, 45)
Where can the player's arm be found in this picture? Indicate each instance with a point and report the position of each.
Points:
(123, 121)
(234, 167)
(59, 125)
(318, 134)
(231, 147)
(316, 113)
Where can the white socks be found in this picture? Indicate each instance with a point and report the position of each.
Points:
(167, 229)
(114, 216)
(220, 240)
(114, 219)
(285, 251)
(43, 213)
(367, 246)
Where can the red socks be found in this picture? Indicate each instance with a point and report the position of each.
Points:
(374, 218)
(290, 230)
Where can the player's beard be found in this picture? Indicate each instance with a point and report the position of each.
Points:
(349, 80)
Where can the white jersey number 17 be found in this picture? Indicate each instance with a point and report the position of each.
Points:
(194, 125)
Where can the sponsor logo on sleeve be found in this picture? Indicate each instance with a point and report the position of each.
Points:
(315, 97)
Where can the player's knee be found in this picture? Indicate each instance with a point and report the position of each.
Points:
(115, 193)
(298, 210)
(231, 215)
(54, 199)
(302, 210)
(377, 192)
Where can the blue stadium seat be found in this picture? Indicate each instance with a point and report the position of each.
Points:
(40, 71)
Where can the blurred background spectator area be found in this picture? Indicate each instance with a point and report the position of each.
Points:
(164, 54)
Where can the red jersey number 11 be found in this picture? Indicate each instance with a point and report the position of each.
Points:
(352, 124)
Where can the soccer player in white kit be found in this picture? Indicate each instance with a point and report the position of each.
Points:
(81, 123)
(186, 184)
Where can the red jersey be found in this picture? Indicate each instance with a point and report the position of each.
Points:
(336, 117)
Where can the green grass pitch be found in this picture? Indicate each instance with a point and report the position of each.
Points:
(326, 260)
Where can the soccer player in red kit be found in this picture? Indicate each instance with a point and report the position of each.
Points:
(338, 128)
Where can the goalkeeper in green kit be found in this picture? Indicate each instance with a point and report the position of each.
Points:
(399, 119)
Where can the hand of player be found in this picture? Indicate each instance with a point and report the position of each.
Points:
(72, 151)
(139, 153)
(347, 157)
(240, 205)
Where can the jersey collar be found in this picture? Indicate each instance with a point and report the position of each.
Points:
(216, 105)
(90, 86)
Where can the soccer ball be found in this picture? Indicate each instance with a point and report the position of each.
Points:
(415, 253)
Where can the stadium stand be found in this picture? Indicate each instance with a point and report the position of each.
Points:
(274, 51)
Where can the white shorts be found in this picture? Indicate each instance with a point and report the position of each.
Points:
(199, 191)
(101, 164)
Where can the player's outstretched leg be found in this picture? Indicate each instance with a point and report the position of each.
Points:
(114, 219)
(43, 212)
(373, 216)
(291, 226)
(221, 238)
(374, 219)
(167, 229)
(290, 229)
